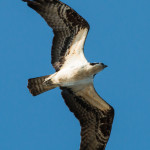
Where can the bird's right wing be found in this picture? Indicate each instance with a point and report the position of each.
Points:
(70, 30)
(94, 114)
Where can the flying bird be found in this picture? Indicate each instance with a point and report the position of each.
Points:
(74, 74)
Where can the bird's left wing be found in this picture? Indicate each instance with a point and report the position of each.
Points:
(94, 114)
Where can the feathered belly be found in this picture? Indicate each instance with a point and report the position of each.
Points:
(73, 76)
(77, 83)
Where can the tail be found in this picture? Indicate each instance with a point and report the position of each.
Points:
(36, 86)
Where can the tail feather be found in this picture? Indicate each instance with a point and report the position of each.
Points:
(36, 86)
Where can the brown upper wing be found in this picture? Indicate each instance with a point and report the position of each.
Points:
(94, 114)
(65, 22)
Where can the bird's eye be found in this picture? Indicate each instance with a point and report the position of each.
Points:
(93, 64)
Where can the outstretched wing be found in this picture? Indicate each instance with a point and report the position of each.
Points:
(70, 29)
(94, 114)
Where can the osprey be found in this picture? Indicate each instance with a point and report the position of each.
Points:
(74, 74)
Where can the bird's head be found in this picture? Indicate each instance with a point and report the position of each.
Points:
(102, 65)
(97, 67)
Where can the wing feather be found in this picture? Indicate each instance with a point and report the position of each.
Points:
(66, 24)
(95, 123)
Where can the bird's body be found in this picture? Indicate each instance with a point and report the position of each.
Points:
(74, 74)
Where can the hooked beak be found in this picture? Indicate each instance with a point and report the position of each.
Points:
(104, 66)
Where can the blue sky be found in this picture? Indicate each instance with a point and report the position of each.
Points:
(119, 37)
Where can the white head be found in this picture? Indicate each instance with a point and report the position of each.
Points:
(97, 67)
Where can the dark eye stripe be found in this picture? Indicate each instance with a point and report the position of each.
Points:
(93, 64)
